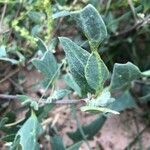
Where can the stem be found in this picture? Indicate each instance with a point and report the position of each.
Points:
(132, 9)
(129, 146)
(80, 128)
(3, 14)
(63, 102)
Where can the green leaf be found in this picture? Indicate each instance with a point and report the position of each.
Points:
(28, 134)
(43, 111)
(103, 100)
(146, 4)
(36, 17)
(96, 72)
(58, 95)
(57, 143)
(26, 100)
(48, 66)
(41, 45)
(75, 146)
(123, 74)
(3, 122)
(72, 84)
(90, 21)
(3, 51)
(90, 130)
(8, 138)
(96, 109)
(52, 45)
(77, 59)
(123, 102)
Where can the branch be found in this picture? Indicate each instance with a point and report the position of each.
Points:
(146, 20)
(43, 101)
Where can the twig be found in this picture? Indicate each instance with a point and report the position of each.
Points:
(81, 129)
(128, 147)
(9, 75)
(132, 9)
(8, 97)
(133, 28)
(3, 14)
(19, 87)
(43, 101)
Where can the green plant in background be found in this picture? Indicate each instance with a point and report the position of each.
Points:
(86, 74)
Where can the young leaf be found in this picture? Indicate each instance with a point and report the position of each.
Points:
(57, 143)
(103, 100)
(123, 74)
(47, 65)
(26, 100)
(77, 59)
(28, 134)
(96, 72)
(90, 21)
(90, 130)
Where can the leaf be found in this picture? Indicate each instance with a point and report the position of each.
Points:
(3, 122)
(75, 146)
(123, 102)
(48, 66)
(111, 23)
(96, 72)
(52, 45)
(123, 74)
(43, 111)
(90, 21)
(36, 17)
(146, 5)
(28, 134)
(26, 100)
(8, 138)
(58, 95)
(103, 100)
(3, 51)
(77, 59)
(72, 84)
(96, 109)
(90, 130)
(41, 45)
(57, 143)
